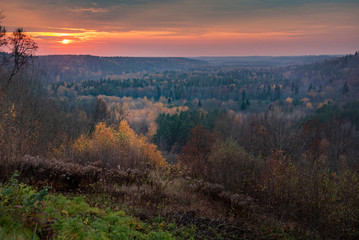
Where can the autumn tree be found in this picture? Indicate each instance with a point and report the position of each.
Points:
(116, 147)
(329, 134)
(14, 140)
(195, 153)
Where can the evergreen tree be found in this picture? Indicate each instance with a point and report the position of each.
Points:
(244, 95)
(243, 106)
(310, 87)
(277, 93)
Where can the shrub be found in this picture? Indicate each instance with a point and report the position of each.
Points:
(57, 173)
(231, 165)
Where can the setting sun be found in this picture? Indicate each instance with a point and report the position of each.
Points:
(65, 41)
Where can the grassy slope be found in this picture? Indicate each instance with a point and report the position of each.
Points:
(29, 214)
(25, 211)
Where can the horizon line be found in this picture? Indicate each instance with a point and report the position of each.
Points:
(214, 56)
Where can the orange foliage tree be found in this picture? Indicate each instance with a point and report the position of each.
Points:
(116, 147)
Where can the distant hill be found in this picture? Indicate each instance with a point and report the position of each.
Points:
(71, 68)
(74, 68)
(340, 76)
(265, 61)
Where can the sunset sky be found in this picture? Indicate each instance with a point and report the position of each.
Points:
(187, 27)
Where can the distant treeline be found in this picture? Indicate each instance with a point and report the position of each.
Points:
(84, 67)
(309, 85)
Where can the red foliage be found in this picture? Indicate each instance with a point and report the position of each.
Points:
(195, 152)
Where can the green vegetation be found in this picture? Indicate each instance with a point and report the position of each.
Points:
(30, 214)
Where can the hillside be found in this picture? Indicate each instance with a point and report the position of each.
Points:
(214, 152)
(85, 67)
(264, 61)
(329, 76)
(74, 68)
(335, 80)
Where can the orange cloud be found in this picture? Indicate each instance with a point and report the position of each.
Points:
(92, 35)
(196, 27)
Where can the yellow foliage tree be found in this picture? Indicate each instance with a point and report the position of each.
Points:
(120, 147)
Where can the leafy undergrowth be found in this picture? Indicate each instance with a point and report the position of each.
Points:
(29, 214)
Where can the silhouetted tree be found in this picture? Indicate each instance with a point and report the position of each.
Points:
(22, 49)
(2, 36)
(2, 31)
(3, 41)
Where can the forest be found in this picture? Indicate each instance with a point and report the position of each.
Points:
(177, 148)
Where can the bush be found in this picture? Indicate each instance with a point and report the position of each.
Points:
(57, 173)
(231, 165)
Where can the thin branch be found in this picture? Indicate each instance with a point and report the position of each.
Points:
(22, 50)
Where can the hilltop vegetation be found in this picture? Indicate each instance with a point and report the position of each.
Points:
(71, 68)
(264, 61)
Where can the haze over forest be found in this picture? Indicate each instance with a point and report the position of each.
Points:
(167, 119)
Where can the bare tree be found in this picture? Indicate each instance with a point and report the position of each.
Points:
(2, 36)
(22, 49)
(2, 31)
(3, 42)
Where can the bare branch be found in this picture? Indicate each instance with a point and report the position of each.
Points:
(3, 41)
(2, 31)
(2, 16)
(22, 49)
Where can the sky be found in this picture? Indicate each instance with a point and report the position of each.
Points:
(187, 28)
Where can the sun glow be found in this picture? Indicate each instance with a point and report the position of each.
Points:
(65, 41)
